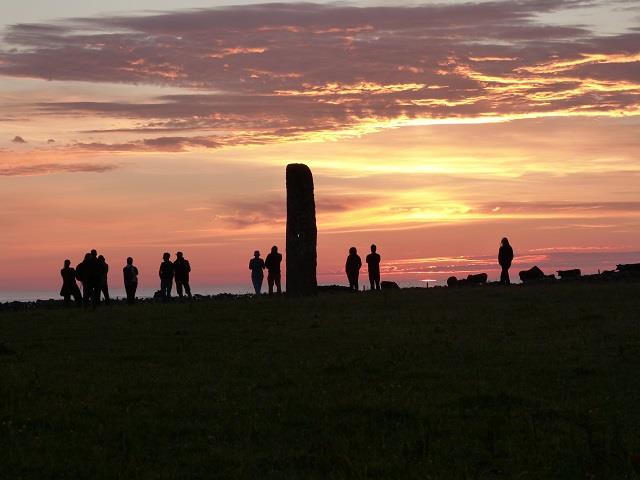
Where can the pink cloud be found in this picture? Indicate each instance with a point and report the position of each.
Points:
(290, 70)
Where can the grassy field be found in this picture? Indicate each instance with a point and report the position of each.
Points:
(528, 383)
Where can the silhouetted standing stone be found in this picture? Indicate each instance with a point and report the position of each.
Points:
(302, 233)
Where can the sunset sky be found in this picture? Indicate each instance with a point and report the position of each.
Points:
(433, 129)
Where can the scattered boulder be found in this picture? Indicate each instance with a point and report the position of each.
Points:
(632, 267)
(534, 275)
(570, 274)
(333, 289)
(477, 279)
(474, 279)
(386, 285)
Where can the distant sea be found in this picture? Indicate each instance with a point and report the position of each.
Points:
(30, 296)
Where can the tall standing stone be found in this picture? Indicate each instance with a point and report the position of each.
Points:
(302, 232)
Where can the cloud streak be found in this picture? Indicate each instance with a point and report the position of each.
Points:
(52, 168)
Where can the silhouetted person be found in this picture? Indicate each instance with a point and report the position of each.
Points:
(373, 266)
(103, 282)
(94, 278)
(130, 274)
(181, 269)
(256, 265)
(82, 274)
(352, 267)
(166, 276)
(272, 263)
(69, 286)
(505, 257)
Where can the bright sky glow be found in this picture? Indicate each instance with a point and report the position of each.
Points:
(433, 130)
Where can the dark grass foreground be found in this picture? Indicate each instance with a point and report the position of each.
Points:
(529, 383)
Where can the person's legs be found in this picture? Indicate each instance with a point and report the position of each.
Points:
(179, 288)
(270, 282)
(377, 280)
(257, 284)
(372, 281)
(187, 289)
(165, 286)
(105, 292)
(95, 295)
(86, 293)
(131, 292)
(67, 299)
(278, 282)
(504, 276)
(353, 281)
(77, 296)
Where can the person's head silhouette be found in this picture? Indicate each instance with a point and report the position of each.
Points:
(179, 255)
(505, 242)
(87, 256)
(373, 248)
(166, 256)
(101, 259)
(353, 251)
(67, 263)
(274, 249)
(256, 253)
(129, 261)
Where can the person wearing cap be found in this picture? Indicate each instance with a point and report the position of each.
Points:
(181, 269)
(256, 265)
(373, 266)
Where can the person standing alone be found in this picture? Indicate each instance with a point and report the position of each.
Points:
(373, 266)
(130, 273)
(181, 269)
(273, 261)
(505, 257)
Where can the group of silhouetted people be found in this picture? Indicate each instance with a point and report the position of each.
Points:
(274, 274)
(354, 263)
(92, 273)
(177, 271)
